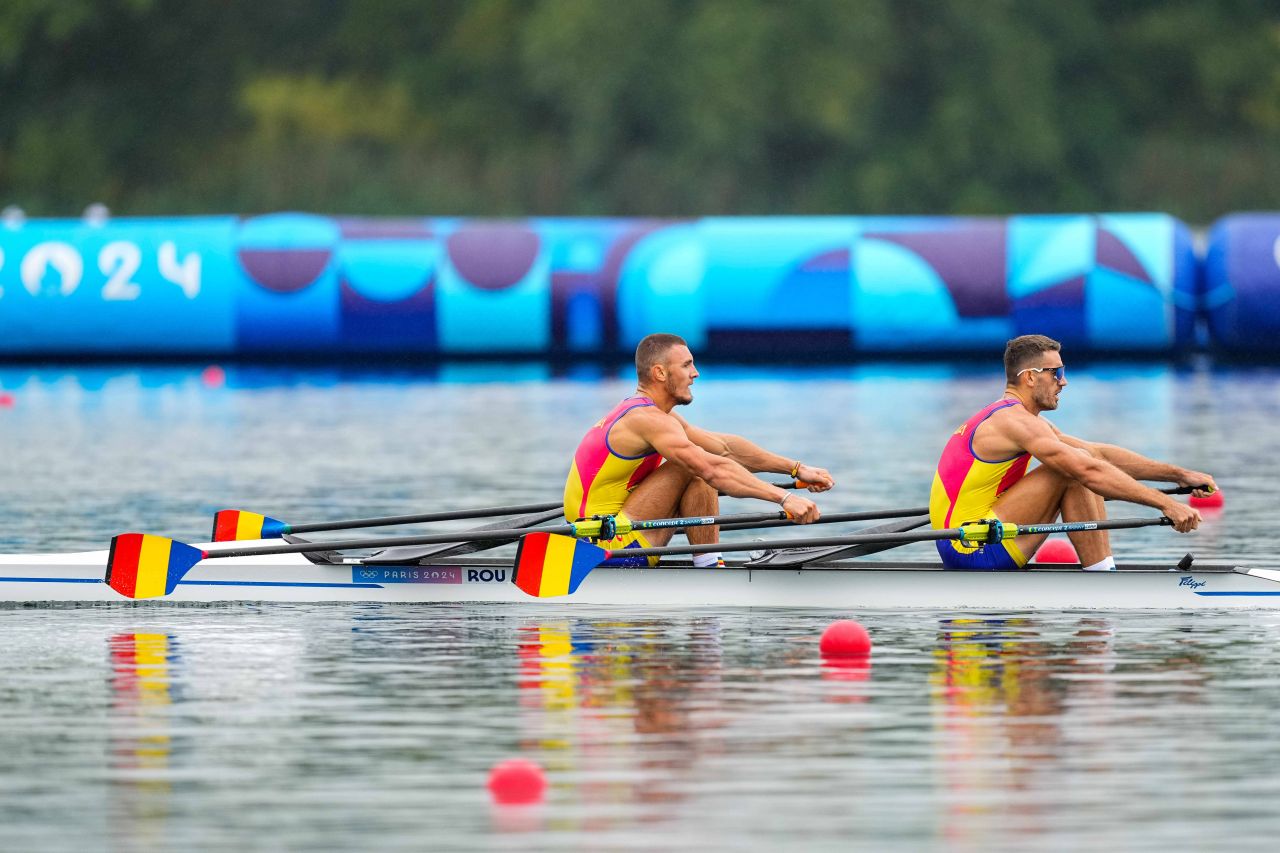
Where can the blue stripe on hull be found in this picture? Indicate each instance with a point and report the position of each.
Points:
(282, 583)
(206, 583)
(52, 580)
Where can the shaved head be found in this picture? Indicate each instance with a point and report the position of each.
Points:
(652, 350)
(1025, 351)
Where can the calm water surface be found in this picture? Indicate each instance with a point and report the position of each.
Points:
(374, 727)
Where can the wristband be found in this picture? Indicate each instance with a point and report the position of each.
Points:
(783, 503)
(795, 471)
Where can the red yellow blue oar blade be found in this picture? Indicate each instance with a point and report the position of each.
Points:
(235, 525)
(144, 566)
(548, 564)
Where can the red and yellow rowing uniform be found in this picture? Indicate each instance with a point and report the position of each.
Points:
(965, 488)
(600, 479)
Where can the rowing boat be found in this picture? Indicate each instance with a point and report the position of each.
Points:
(78, 577)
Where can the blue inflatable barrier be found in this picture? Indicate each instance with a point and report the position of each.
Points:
(1242, 283)
(795, 287)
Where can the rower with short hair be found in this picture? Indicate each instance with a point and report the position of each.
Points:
(983, 471)
(642, 461)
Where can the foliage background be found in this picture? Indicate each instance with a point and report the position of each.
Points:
(640, 107)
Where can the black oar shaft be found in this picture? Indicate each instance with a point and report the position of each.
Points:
(763, 519)
(505, 535)
(452, 515)
(884, 538)
(836, 518)
(449, 515)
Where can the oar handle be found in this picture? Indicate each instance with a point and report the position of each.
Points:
(1186, 490)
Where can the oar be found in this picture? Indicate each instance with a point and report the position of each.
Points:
(145, 566)
(548, 565)
(233, 525)
(420, 554)
(238, 525)
(1186, 490)
(830, 518)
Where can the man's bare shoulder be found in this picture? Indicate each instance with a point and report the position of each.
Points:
(646, 421)
(1016, 424)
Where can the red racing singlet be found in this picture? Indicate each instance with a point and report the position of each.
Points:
(600, 479)
(965, 487)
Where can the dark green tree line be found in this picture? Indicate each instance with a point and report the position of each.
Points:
(640, 107)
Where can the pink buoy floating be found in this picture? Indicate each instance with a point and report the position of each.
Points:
(6, 400)
(517, 782)
(845, 638)
(213, 376)
(1057, 551)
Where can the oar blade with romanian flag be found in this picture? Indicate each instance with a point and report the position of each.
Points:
(548, 564)
(237, 525)
(144, 566)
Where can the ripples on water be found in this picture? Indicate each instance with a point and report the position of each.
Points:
(374, 727)
(363, 727)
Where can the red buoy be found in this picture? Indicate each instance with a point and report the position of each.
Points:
(1057, 551)
(1210, 501)
(213, 376)
(844, 638)
(517, 782)
(6, 400)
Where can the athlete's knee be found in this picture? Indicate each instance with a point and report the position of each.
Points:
(701, 487)
(700, 496)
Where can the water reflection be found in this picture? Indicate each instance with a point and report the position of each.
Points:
(142, 699)
(1018, 705)
(598, 694)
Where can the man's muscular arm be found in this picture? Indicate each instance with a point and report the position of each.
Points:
(666, 434)
(1141, 468)
(1096, 474)
(755, 458)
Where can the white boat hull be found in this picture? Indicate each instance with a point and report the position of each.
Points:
(877, 585)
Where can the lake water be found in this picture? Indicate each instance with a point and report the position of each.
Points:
(374, 727)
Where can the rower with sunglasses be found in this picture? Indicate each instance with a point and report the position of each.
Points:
(983, 471)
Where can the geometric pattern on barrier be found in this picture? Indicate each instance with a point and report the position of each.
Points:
(492, 289)
(931, 285)
(387, 271)
(586, 263)
(291, 304)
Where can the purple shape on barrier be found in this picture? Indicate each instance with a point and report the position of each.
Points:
(370, 325)
(810, 302)
(600, 285)
(385, 229)
(1113, 254)
(284, 270)
(493, 256)
(836, 261)
(971, 260)
(1057, 311)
